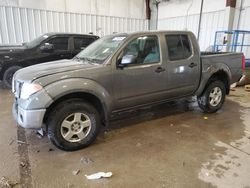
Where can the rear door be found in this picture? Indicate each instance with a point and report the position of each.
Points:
(61, 47)
(183, 65)
(81, 42)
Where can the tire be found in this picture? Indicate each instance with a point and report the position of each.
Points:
(213, 97)
(8, 75)
(73, 124)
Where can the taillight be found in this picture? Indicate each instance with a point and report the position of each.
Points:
(243, 62)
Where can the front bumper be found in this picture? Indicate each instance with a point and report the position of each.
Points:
(30, 119)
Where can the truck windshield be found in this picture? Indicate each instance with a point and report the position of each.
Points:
(100, 50)
(36, 41)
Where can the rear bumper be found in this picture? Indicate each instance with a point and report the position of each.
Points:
(30, 119)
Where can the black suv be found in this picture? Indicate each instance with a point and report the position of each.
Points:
(48, 47)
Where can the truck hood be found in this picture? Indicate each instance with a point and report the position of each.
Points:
(31, 73)
(11, 48)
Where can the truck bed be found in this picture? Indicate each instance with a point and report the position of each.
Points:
(232, 60)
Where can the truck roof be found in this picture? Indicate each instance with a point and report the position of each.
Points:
(62, 33)
(155, 32)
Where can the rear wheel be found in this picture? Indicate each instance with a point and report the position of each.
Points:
(8, 75)
(213, 97)
(73, 124)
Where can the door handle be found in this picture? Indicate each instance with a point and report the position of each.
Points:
(191, 65)
(159, 69)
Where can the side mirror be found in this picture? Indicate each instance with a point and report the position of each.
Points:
(47, 48)
(126, 60)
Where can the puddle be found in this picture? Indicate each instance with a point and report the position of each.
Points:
(231, 167)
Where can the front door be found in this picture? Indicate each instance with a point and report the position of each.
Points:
(60, 50)
(144, 78)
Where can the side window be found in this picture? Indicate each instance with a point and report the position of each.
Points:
(178, 47)
(82, 42)
(145, 49)
(60, 43)
(187, 52)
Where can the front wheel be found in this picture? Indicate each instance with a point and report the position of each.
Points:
(8, 75)
(73, 125)
(213, 97)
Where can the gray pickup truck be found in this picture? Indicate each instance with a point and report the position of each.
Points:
(74, 98)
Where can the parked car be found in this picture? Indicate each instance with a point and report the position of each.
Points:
(72, 99)
(48, 47)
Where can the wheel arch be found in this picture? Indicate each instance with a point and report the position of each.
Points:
(6, 66)
(221, 74)
(85, 96)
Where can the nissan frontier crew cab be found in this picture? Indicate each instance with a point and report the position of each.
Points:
(72, 99)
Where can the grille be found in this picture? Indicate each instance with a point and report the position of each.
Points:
(17, 86)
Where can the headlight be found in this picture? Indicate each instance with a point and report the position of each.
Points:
(29, 89)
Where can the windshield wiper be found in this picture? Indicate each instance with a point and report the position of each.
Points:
(77, 58)
(91, 61)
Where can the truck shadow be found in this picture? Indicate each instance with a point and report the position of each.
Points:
(153, 112)
(226, 124)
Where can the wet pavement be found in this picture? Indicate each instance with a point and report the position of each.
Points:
(170, 145)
